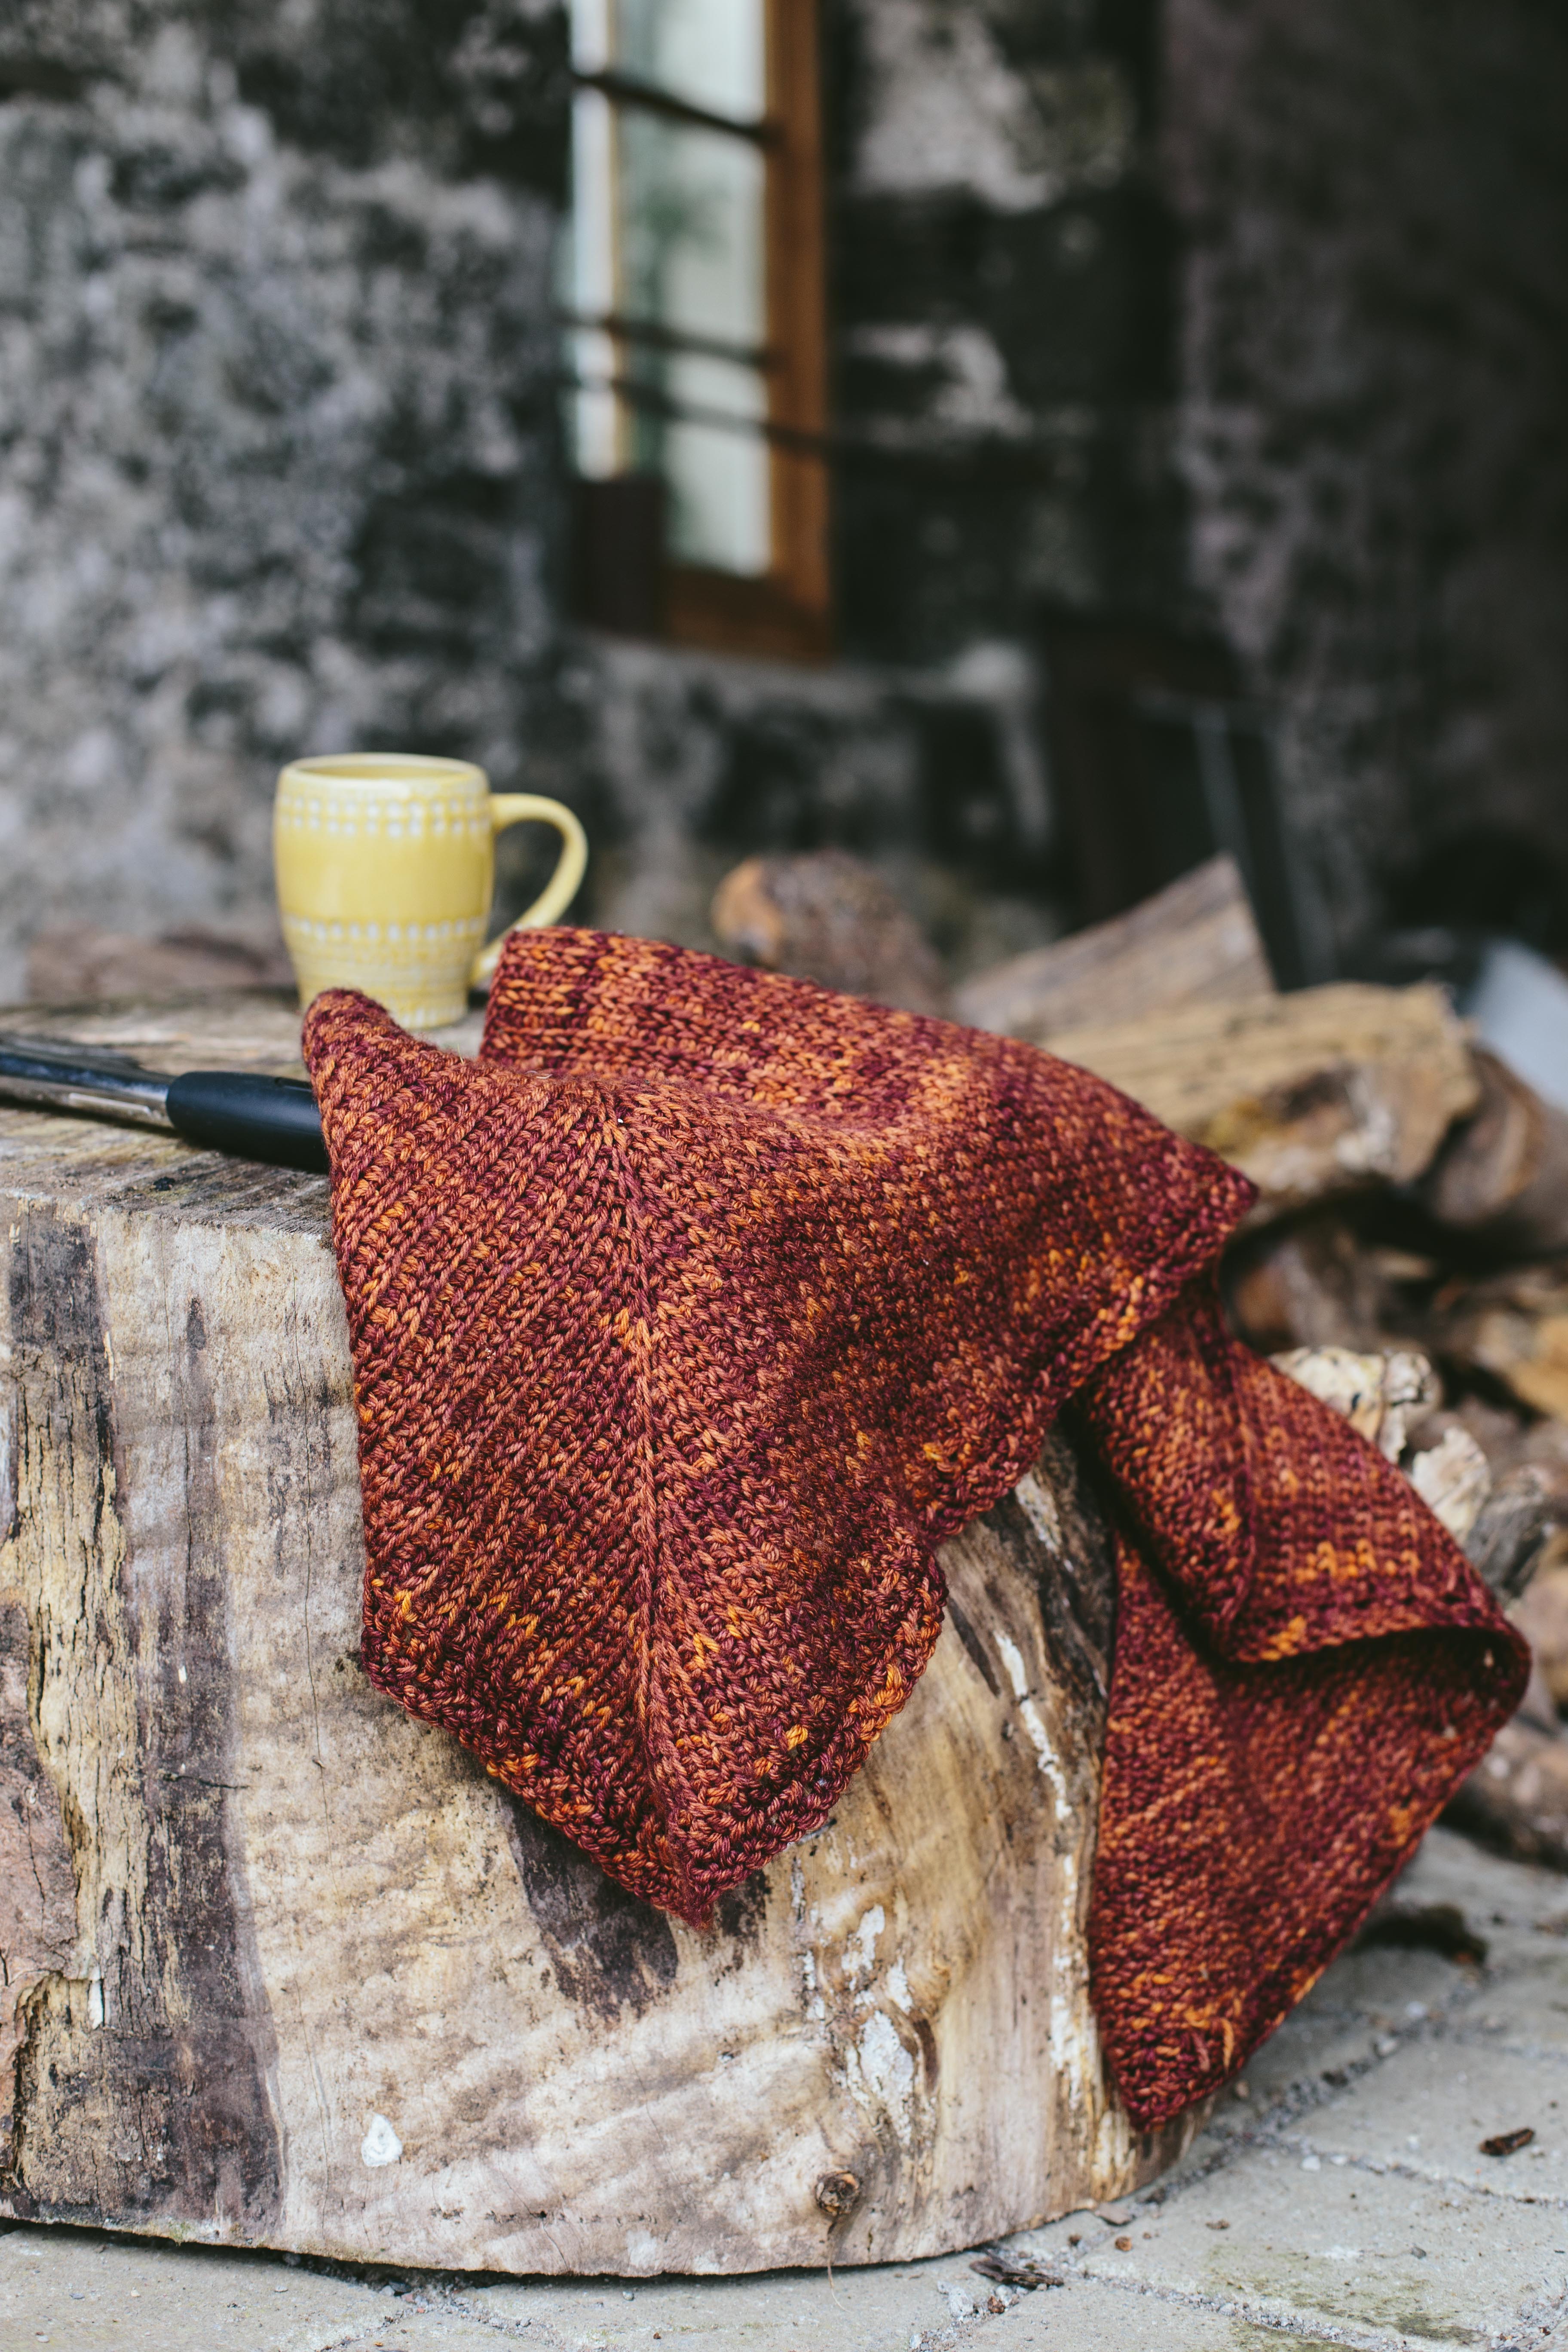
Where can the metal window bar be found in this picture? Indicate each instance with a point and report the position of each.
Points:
(976, 460)
(759, 356)
(625, 89)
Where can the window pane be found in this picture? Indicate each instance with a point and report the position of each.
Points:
(709, 52)
(593, 42)
(586, 266)
(668, 232)
(718, 475)
(690, 207)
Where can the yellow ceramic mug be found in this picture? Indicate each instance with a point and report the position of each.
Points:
(386, 866)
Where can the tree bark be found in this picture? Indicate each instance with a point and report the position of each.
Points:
(285, 1968)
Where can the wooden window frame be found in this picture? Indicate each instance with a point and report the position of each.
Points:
(786, 612)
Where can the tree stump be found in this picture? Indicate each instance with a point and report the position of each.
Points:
(282, 1967)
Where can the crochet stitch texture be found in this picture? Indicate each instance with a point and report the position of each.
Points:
(694, 1316)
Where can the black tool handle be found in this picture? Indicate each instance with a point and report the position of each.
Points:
(254, 1118)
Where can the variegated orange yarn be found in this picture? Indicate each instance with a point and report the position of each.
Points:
(691, 1318)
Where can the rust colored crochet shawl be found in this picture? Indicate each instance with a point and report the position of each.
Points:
(690, 1319)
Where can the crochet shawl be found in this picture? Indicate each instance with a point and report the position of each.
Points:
(691, 1318)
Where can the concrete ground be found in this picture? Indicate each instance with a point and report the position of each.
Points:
(1340, 2195)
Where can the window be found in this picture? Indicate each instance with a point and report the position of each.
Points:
(693, 295)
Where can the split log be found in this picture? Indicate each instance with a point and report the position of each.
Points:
(1502, 1179)
(1513, 1528)
(1310, 1282)
(286, 1968)
(1315, 1095)
(1454, 1479)
(1194, 942)
(1522, 1525)
(1511, 1327)
(829, 918)
(1380, 1392)
(1541, 1616)
(1516, 1799)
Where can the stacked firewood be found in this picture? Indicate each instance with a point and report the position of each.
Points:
(1408, 1254)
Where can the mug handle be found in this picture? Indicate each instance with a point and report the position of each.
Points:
(513, 808)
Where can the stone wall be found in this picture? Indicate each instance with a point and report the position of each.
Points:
(1373, 206)
(281, 470)
(691, 762)
(1004, 321)
(1227, 316)
(278, 455)
(1002, 351)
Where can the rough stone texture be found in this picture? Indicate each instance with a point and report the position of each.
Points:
(1374, 203)
(1215, 316)
(1356, 2210)
(1004, 330)
(689, 762)
(1235, 319)
(277, 457)
(281, 471)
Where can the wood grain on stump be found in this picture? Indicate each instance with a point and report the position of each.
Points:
(282, 1967)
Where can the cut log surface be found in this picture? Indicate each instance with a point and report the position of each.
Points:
(827, 917)
(1195, 943)
(284, 1968)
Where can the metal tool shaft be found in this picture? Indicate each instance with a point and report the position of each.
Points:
(58, 1076)
(246, 1113)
